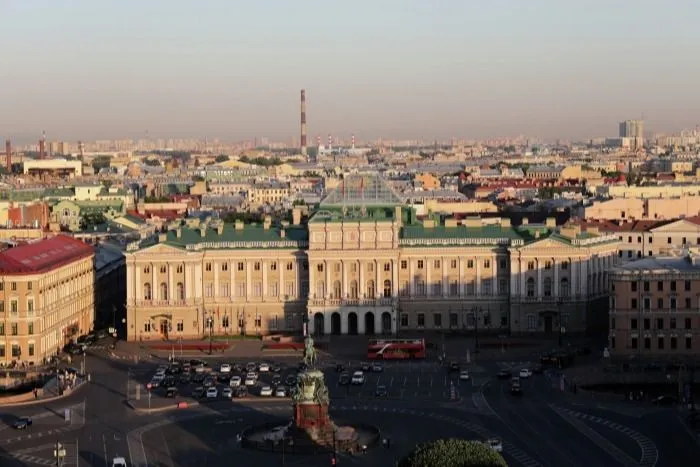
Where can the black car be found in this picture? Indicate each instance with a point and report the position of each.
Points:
(171, 392)
(22, 423)
(504, 374)
(339, 368)
(240, 391)
(198, 393)
(275, 368)
(185, 378)
(365, 367)
(198, 377)
(381, 391)
(454, 366)
(537, 369)
(276, 380)
(223, 378)
(291, 380)
(665, 401)
(516, 390)
(344, 379)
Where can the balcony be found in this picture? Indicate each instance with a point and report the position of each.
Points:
(337, 302)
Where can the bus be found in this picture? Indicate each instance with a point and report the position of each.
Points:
(396, 349)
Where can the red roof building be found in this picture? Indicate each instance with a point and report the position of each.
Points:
(43, 256)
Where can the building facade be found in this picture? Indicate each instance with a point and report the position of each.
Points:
(46, 297)
(364, 264)
(654, 307)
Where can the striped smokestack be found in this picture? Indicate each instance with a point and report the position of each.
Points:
(353, 140)
(8, 155)
(303, 122)
(330, 142)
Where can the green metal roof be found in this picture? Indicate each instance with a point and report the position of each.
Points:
(58, 193)
(488, 232)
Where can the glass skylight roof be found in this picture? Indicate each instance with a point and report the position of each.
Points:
(362, 190)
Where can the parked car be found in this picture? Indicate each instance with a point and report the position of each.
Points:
(266, 391)
(377, 368)
(225, 368)
(358, 378)
(281, 391)
(339, 368)
(119, 462)
(504, 374)
(464, 375)
(344, 379)
(227, 393)
(495, 443)
(381, 391)
(198, 392)
(525, 373)
(516, 389)
(212, 393)
(235, 381)
(171, 392)
(454, 366)
(264, 368)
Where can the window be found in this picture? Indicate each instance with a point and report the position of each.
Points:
(29, 286)
(421, 320)
(672, 304)
(688, 343)
(370, 267)
(437, 320)
(30, 306)
(336, 267)
(180, 326)
(530, 265)
(687, 286)
(224, 290)
(256, 266)
(454, 320)
(241, 289)
(612, 342)
(531, 287)
(647, 324)
(14, 329)
(660, 286)
(646, 303)
(420, 264)
(503, 264)
(241, 266)
(147, 291)
(453, 264)
(674, 343)
(387, 267)
(634, 286)
(405, 289)
(633, 303)
(647, 343)
(487, 263)
(180, 291)
(319, 267)
(612, 323)
(30, 328)
(14, 307)
(486, 286)
(224, 267)
(659, 323)
(371, 293)
(660, 343)
(2, 350)
(163, 269)
(320, 289)
(257, 289)
(163, 291)
(289, 289)
(635, 343)
(273, 266)
(470, 264)
(404, 320)
(13, 286)
(404, 264)
(547, 287)
(531, 322)
(436, 288)
(16, 351)
(564, 287)
(660, 303)
(687, 323)
(305, 265)
(354, 290)
(387, 288)
(290, 266)
(209, 289)
(687, 303)
(548, 265)
(337, 291)
(646, 286)
(633, 323)
(436, 264)
(273, 289)
(420, 287)
(146, 269)
(668, 240)
(2, 329)
(454, 288)
(673, 286)
(207, 267)
(503, 286)
(672, 323)
(147, 326)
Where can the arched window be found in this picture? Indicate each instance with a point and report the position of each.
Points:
(387, 288)
(180, 291)
(531, 287)
(337, 293)
(163, 291)
(547, 286)
(371, 293)
(320, 289)
(353, 290)
(564, 287)
(147, 291)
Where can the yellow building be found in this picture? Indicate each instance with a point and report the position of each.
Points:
(46, 297)
(365, 264)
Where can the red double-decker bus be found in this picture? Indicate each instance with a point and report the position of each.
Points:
(396, 349)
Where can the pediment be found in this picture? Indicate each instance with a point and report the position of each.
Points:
(546, 243)
(162, 249)
(680, 226)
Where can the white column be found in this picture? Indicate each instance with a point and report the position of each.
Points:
(133, 293)
(362, 292)
(573, 275)
(539, 278)
(312, 278)
(494, 278)
(232, 282)
(460, 264)
(523, 269)
(555, 285)
(217, 290)
(248, 279)
(477, 286)
(155, 286)
(343, 322)
(197, 272)
(395, 278)
(360, 323)
(281, 289)
(310, 327)
(327, 325)
(584, 276)
(265, 266)
(394, 321)
(411, 278)
(378, 321)
(379, 286)
(344, 272)
(171, 284)
(428, 283)
(329, 289)
(444, 278)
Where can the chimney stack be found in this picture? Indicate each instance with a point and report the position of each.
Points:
(80, 148)
(330, 142)
(353, 140)
(42, 146)
(303, 122)
(8, 155)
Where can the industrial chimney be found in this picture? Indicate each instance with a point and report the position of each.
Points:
(303, 122)
(8, 155)
(42, 146)
(353, 140)
(330, 142)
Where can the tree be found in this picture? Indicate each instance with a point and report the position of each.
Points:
(91, 219)
(221, 158)
(101, 162)
(152, 162)
(453, 453)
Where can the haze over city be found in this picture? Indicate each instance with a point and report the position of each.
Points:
(393, 69)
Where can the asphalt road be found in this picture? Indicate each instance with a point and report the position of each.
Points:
(543, 427)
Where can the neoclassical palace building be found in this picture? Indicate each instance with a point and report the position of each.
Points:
(364, 264)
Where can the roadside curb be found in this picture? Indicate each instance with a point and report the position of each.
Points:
(45, 400)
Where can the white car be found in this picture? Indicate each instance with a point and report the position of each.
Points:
(225, 368)
(266, 391)
(495, 444)
(119, 462)
(281, 391)
(227, 393)
(464, 375)
(250, 381)
(358, 378)
(252, 375)
(264, 368)
(525, 373)
(235, 381)
(212, 393)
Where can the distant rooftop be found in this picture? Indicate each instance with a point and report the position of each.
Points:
(43, 255)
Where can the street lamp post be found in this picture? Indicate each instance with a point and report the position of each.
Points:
(476, 329)
(210, 323)
(560, 302)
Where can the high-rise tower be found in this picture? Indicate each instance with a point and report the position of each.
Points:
(8, 156)
(303, 123)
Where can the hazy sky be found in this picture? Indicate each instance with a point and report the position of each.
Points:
(393, 68)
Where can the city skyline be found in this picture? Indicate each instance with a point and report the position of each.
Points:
(400, 70)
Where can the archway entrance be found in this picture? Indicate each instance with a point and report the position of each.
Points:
(548, 327)
(335, 323)
(319, 323)
(386, 323)
(352, 323)
(369, 323)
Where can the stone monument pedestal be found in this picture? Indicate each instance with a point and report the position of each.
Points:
(311, 415)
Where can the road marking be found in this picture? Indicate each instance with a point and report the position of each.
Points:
(391, 382)
(404, 381)
(431, 381)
